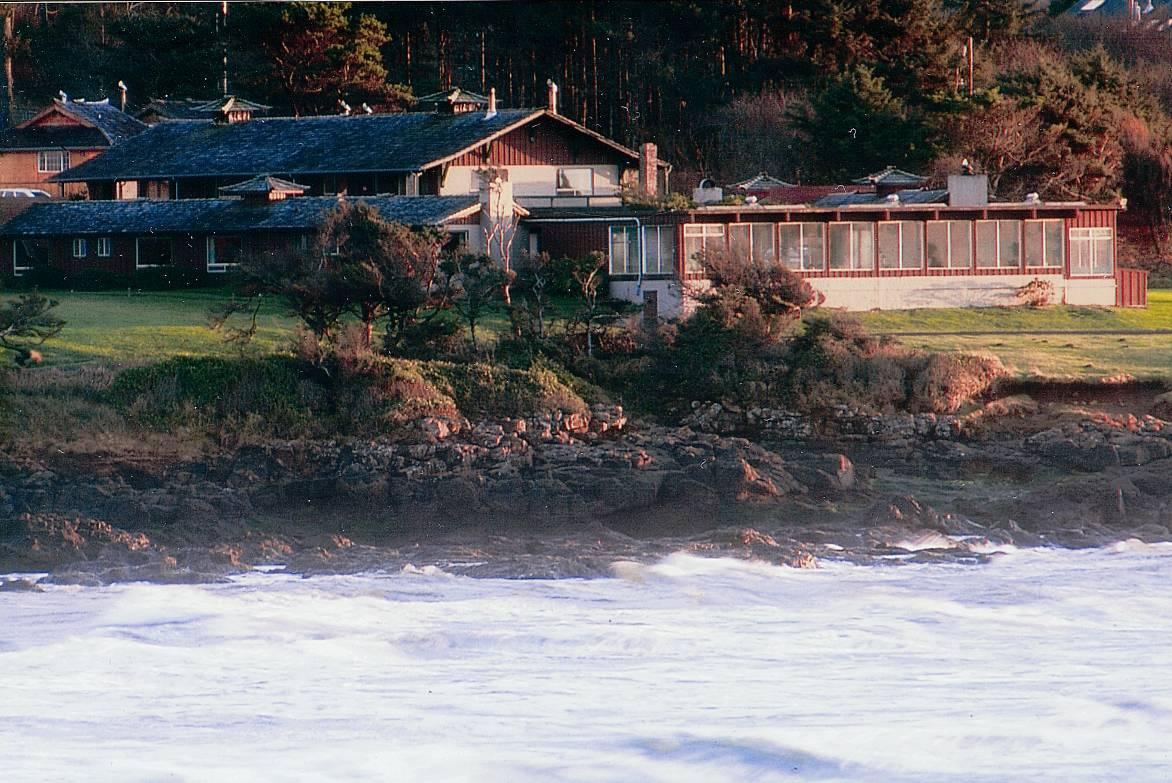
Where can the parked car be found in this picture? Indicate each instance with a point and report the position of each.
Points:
(23, 193)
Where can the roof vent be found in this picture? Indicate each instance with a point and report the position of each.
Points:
(1033, 198)
(891, 198)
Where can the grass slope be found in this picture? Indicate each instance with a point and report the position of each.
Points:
(1060, 342)
(114, 327)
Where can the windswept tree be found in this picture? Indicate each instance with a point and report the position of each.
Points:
(25, 323)
(381, 270)
(476, 283)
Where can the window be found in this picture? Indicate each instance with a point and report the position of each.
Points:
(576, 182)
(700, 238)
(801, 247)
(105, 247)
(950, 244)
(222, 252)
(1092, 251)
(852, 246)
(457, 242)
(659, 243)
(624, 250)
(80, 248)
(1042, 240)
(152, 251)
(28, 254)
(752, 242)
(998, 244)
(901, 245)
(52, 161)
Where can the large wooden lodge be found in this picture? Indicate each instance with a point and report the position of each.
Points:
(200, 192)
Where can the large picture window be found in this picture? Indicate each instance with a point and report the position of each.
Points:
(576, 182)
(52, 161)
(949, 244)
(624, 250)
(1092, 251)
(700, 238)
(223, 252)
(152, 251)
(901, 245)
(852, 246)
(752, 242)
(1042, 241)
(800, 246)
(999, 244)
(659, 243)
(28, 254)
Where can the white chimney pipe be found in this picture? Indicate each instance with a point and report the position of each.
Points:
(491, 103)
(552, 96)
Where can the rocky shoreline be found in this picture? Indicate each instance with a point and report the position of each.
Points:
(567, 495)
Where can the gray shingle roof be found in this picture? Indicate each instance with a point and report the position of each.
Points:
(263, 184)
(53, 137)
(761, 181)
(294, 146)
(197, 109)
(890, 176)
(117, 126)
(870, 199)
(216, 216)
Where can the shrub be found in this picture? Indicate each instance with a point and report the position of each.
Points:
(1035, 293)
(946, 381)
(485, 389)
(187, 390)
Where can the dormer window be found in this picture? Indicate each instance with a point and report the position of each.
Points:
(52, 161)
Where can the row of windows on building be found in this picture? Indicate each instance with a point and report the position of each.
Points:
(221, 252)
(866, 246)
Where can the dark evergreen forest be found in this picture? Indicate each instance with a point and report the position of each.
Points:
(810, 90)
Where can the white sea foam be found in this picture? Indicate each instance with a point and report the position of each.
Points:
(1042, 665)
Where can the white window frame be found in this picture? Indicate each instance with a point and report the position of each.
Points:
(804, 229)
(653, 241)
(949, 227)
(569, 190)
(855, 261)
(60, 158)
(708, 234)
(1045, 246)
(214, 266)
(1092, 237)
(997, 244)
(901, 226)
(80, 248)
(629, 266)
(752, 227)
(105, 247)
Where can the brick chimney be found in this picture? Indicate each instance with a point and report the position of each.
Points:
(551, 96)
(649, 170)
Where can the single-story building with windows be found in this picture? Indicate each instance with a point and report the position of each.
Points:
(908, 249)
(265, 216)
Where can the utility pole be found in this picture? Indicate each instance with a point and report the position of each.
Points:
(224, 44)
(969, 51)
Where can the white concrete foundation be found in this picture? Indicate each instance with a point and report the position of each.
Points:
(903, 293)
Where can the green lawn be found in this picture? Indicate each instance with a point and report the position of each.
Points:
(1017, 335)
(1095, 342)
(115, 327)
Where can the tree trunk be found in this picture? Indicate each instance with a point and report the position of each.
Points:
(9, 45)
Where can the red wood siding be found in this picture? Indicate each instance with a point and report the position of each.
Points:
(543, 143)
(1131, 288)
(573, 240)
